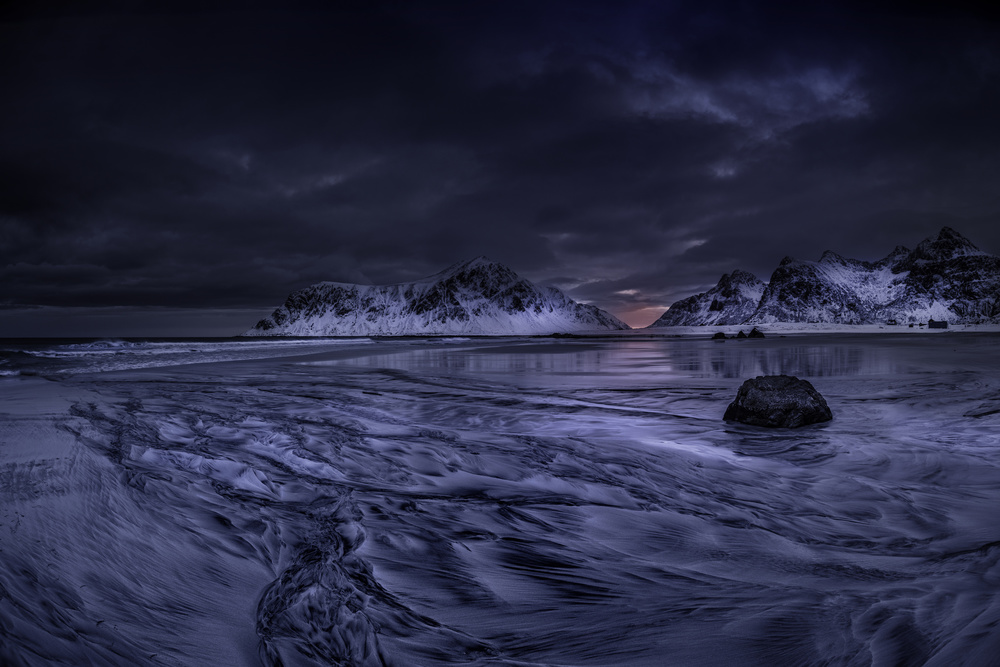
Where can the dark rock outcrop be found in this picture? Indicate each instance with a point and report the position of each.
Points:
(778, 401)
(755, 333)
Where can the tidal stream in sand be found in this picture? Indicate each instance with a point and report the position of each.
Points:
(498, 502)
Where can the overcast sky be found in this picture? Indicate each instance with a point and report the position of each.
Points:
(178, 168)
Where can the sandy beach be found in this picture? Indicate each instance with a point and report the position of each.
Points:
(512, 502)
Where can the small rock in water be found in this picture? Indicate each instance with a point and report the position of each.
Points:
(780, 401)
(741, 334)
(719, 336)
(756, 333)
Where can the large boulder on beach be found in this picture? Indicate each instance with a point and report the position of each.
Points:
(779, 401)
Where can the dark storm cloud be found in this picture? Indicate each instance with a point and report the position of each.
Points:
(218, 156)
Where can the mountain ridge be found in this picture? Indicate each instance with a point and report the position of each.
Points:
(733, 299)
(946, 277)
(474, 297)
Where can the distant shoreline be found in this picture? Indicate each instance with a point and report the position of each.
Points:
(780, 328)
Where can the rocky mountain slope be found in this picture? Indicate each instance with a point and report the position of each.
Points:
(946, 277)
(478, 297)
(732, 301)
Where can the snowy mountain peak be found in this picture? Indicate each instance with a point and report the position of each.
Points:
(948, 244)
(739, 277)
(830, 257)
(480, 263)
(952, 235)
(894, 261)
(899, 252)
(945, 278)
(733, 299)
(836, 262)
(479, 296)
(479, 272)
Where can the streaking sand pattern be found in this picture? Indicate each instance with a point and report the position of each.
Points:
(517, 502)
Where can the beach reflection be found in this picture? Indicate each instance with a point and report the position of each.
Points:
(579, 362)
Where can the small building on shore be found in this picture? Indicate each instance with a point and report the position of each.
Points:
(936, 324)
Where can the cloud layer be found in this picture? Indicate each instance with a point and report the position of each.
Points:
(212, 158)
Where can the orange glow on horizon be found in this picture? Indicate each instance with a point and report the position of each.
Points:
(639, 318)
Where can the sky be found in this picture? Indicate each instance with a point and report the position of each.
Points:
(178, 168)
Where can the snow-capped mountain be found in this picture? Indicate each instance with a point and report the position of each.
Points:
(946, 277)
(834, 289)
(732, 301)
(475, 297)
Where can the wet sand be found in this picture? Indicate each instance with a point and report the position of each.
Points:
(518, 501)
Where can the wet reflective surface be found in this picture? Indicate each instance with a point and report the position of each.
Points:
(507, 502)
(632, 362)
